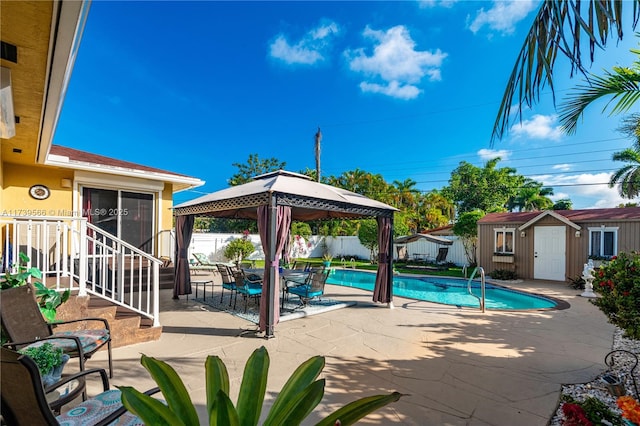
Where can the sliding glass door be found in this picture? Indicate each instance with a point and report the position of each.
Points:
(127, 215)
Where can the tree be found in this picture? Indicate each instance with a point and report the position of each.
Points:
(254, 167)
(368, 236)
(434, 209)
(405, 193)
(531, 196)
(628, 177)
(466, 227)
(560, 26)
(487, 189)
(564, 204)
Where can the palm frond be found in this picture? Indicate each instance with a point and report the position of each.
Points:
(558, 26)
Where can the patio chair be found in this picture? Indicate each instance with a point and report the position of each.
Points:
(26, 402)
(247, 287)
(228, 280)
(442, 255)
(313, 288)
(202, 263)
(25, 326)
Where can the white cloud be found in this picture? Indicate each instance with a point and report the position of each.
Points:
(490, 154)
(562, 167)
(585, 190)
(539, 127)
(310, 49)
(503, 15)
(435, 3)
(396, 67)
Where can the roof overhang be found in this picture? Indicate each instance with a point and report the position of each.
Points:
(179, 182)
(552, 214)
(67, 25)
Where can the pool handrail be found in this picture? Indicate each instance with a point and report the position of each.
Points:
(480, 298)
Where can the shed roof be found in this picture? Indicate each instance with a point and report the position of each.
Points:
(576, 216)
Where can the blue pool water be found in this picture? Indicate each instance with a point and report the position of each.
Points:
(449, 291)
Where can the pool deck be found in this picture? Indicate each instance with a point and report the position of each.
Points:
(456, 366)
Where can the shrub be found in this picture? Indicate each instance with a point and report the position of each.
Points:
(577, 282)
(618, 284)
(503, 274)
(238, 249)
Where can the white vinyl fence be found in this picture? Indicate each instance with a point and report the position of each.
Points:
(212, 245)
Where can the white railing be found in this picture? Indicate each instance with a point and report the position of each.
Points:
(74, 254)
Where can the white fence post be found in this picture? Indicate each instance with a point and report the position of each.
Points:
(83, 264)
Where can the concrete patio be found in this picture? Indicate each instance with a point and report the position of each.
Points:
(456, 366)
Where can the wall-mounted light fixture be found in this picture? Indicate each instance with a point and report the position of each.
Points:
(65, 183)
(7, 115)
(523, 234)
(578, 233)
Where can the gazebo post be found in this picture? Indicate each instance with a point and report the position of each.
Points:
(390, 271)
(273, 235)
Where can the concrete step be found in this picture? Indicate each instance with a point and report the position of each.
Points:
(127, 327)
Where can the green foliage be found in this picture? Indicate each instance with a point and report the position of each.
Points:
(48, 299)
(488, 188)
(466, 227)
(238, 249)
(368, 235)
(22, 275)
(297, 399)
(531, 196)
(618, 284)
(301, 228)
(564, 204)
(254, 167)
(46, 356)
(577, 282)
(504, 274)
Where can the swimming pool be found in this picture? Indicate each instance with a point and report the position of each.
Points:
(449, 291)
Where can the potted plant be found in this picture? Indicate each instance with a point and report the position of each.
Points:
(326, 259)
(50, 361)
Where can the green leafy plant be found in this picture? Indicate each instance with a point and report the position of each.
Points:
(48, 299)
(46, 356)
(238, 249)
(591, 411)
(297, 399)
(618, 284)
(21, 276)
(503, 274)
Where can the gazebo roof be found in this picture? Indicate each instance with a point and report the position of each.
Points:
(308, 199)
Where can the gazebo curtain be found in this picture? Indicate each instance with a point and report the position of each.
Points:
(382, 291)
(269, 299)
(182, 279)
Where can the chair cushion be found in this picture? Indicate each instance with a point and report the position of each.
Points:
(89, 339)
(95, 409)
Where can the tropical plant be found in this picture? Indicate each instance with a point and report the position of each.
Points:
(48, 299)
(297, 399)
(618, 284)
(560, 26)
(531, 196)
(254, 167)
(628, 177)
(238, 249)
(563, 204)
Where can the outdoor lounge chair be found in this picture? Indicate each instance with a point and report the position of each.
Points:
(24, 399)
(247, 287)
(442, 255)
(314, 287)
(25, 326)
(200, 262)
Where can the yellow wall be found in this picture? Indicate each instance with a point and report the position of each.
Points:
(18, 178)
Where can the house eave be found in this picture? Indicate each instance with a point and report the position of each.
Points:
(180, 183)
(552, 214)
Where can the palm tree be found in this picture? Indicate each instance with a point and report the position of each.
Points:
(628, 177)
(405, 192)
(559, 27)
(531, 196)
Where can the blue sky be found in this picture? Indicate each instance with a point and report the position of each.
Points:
(405, 89)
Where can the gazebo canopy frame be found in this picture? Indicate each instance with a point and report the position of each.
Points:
(296, 197)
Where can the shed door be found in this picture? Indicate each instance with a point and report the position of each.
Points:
(549, 253)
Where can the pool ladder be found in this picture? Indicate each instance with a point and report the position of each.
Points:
(480, 298)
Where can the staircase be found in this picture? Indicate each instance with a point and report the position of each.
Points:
(127, 327)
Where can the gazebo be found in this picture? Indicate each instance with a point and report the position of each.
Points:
(276, 199)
